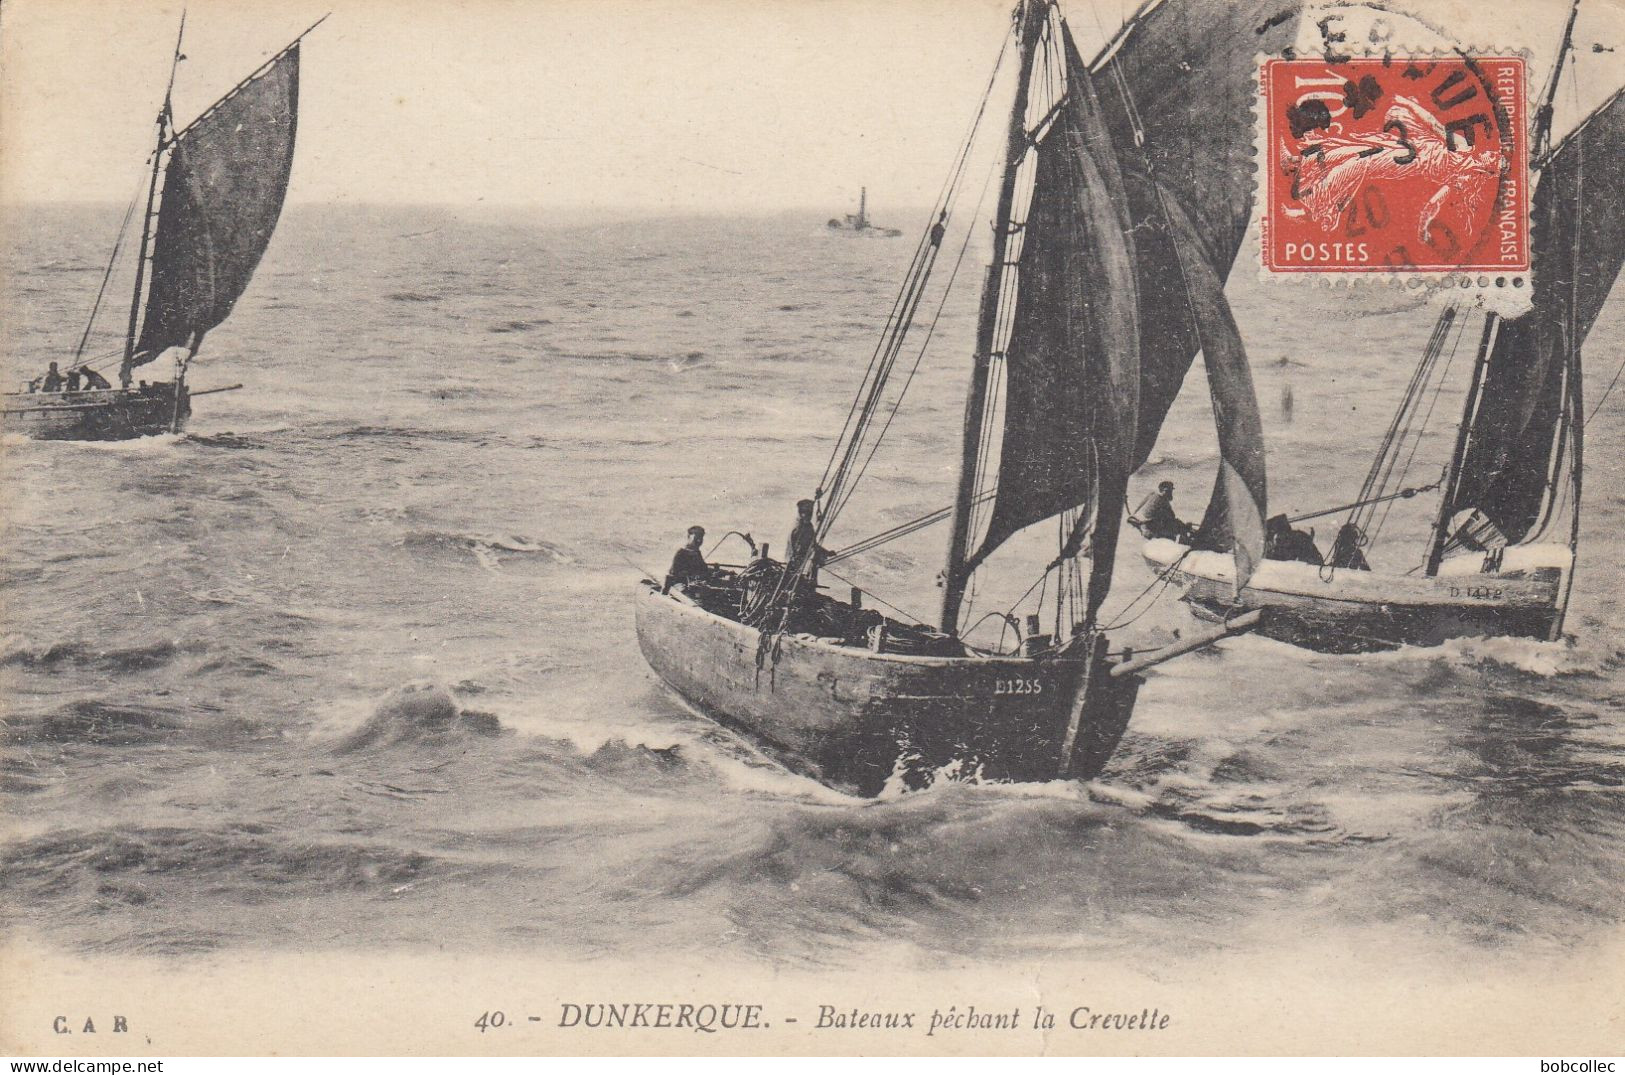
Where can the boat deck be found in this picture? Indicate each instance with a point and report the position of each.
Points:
(97, 414)
(1340, 610)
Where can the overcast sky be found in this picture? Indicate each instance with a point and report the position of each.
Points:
(635, 104)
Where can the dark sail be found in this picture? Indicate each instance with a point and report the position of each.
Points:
(1072, 359)
(1177, 89)
(222, 195)
(1235, 512)
(1579, 232)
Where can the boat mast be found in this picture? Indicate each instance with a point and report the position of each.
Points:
(1574, 377)
(1447, 502)
(1540, 149)
(863, 206)
(1574, 390)
(165, 121)
(1033, 15)
(1543, 115)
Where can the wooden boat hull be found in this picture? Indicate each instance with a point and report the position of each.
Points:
(1343, 611)
(854, 719)
(104, 414)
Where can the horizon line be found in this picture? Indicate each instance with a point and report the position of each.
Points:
(573, 207)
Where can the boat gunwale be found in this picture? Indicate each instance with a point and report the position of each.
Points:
(159, 392)
(1426, 592)
(814, 642)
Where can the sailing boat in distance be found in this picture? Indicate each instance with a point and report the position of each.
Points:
(1502, 553)
(858, 224)
(203, 231)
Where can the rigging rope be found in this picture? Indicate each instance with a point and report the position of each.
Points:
(838, 479)
(1380, 476)
(1605, 394)
(901, 530)
(867, 400)
(1416, 443)
(906, 615)
(931, 330)
(118, 244)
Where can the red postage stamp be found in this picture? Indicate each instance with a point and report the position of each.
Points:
(1393, 165)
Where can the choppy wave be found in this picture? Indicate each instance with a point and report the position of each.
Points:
(1532, 656)
(489, 550)
(410, 435)
(65, 267)
(207, 740)
(93, 871)
(417, 714)
(229, 441)
(78, 654)
(98, 722)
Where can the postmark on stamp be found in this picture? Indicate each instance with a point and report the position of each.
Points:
(1395, 165)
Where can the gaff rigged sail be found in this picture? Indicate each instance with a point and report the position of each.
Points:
(223, 191)
(1579, 247)
(1137, 213)
(1235, 512)
(1072, 358)
(1177, 88)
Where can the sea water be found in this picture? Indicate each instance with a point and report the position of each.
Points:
(350, 663)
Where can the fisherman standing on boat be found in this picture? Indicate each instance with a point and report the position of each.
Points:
(806, 556)
(94, 380)
(689, 564)
(53, 380)
(1155, 516)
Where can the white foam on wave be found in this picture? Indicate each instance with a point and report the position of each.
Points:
(740, 765)
(337, 718)
(489, 548)
(157, 444)
(956, 777)
(1535, 656)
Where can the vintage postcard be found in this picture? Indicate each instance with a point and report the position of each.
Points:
(986, 527)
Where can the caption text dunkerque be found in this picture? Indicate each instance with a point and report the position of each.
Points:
(712, 1018)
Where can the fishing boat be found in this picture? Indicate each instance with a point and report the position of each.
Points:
(859, 223)
(1111, 210)
(203, 231)
(1500, 559)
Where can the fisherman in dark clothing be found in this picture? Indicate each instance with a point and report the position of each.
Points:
(1155, 516)
(804, 552)
(939, 228)
(73, 381)
(1346, 549)
(689, 564)
(93, 379)
(804, 556)
(53, 380)
(1282, 542)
